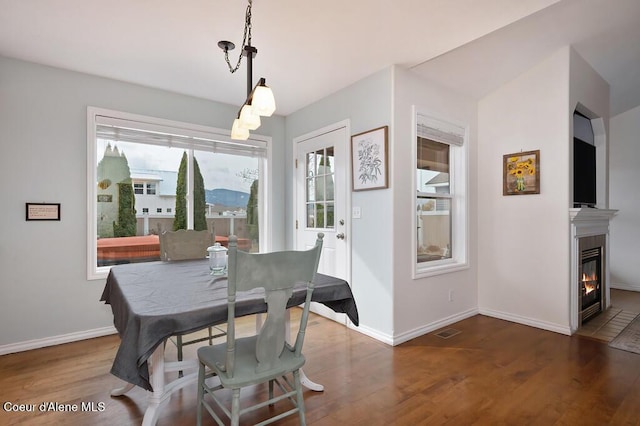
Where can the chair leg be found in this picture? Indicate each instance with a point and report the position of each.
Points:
(200, 394)
(300, 398)
(271, 392)
(235, 408)
(179, 346)
(210, 336)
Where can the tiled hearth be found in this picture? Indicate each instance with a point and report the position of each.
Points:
(625, 306)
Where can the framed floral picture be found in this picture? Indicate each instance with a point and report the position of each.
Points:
(521, 173)
(369, 155)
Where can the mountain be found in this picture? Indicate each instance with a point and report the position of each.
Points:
(227, 197)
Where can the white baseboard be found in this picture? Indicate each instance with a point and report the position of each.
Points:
(371, 332)
(428, 328)
(556, 328)
(417, 332)
(627, 287)
(56, 340)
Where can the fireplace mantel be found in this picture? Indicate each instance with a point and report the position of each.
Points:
(586, 222)
(591, 214)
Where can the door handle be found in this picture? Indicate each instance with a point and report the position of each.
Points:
(340, 236)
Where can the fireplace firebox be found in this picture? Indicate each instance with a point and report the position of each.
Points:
(590, 282)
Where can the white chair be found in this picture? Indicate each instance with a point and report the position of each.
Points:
(265, 357)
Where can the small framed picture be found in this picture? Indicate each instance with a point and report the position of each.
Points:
(43, 211)
(521, 173)
(369, 156)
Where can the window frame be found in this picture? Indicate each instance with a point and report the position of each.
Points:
(458, 195)
(94, 114)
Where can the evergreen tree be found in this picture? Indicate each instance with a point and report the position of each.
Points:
(126, 225)
(199, 197)
(252, 212)
(180, 218)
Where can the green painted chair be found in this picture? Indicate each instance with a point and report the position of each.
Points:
(265, 357)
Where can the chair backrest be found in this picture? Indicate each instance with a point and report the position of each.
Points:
(276, 273)
(185, 244)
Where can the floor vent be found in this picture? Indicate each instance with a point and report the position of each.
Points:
(447, 333)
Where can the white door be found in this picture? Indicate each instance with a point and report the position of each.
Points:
(322, 202)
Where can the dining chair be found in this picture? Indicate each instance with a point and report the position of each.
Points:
(265, 357)
(184, 245)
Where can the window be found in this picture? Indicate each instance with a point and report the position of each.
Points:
(320, 194)
(197, 175)
(440, 202)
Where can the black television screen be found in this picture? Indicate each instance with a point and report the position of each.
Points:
(584, 173)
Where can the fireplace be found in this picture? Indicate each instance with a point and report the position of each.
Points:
(590, 282)
(589, 264)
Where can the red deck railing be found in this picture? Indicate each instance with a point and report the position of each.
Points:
(145, 248)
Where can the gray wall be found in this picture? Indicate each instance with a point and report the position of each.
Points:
(624, 195)
(367, 104)
(44, 293)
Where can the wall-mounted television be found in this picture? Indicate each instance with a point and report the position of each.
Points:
(584, 174)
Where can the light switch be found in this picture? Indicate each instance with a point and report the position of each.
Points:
(356, 213)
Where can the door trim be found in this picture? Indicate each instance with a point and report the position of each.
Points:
(346, 124)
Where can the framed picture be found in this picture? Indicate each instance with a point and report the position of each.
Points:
(369, 159)
(43, 211)
(521, 173)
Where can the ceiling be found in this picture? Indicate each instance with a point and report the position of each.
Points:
(310, 49)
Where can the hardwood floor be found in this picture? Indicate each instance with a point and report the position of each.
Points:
(492, 372)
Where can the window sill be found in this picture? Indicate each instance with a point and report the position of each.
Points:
(439, 268)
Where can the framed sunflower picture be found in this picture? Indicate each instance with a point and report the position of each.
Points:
(521, 173)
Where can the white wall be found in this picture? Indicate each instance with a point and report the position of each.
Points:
(44, 293)
(367, 104)
(523, 265)
(589, 93)
(422, 305)
(624, 195)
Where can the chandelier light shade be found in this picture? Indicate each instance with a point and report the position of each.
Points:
(248, 118)
(238, 132)
(260, 100)
(263, 102)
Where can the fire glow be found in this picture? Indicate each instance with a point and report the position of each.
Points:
(589, 282)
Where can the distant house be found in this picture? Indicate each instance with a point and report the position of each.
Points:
(155, 192)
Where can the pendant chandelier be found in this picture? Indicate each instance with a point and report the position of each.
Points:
(260, 101)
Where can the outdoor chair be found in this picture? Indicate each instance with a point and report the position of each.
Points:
(184, 245)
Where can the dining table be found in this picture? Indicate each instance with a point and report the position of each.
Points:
(153, 301)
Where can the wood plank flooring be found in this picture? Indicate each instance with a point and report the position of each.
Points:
(493, 372)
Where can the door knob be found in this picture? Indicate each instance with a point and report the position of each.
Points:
(340, 236)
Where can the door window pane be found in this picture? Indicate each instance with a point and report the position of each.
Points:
(320, 188)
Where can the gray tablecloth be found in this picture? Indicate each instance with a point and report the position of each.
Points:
(153, 301)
